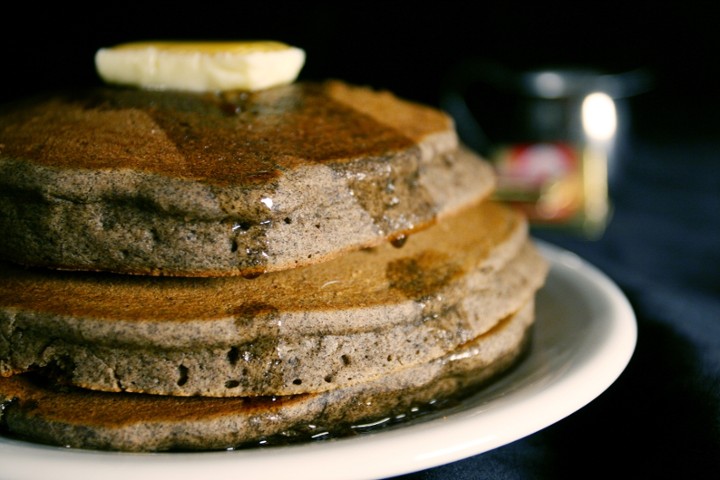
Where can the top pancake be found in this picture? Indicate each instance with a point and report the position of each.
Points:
(171, 183)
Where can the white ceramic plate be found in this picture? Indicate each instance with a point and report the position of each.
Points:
(585, 336)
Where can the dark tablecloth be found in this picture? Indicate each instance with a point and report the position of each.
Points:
(661, 418)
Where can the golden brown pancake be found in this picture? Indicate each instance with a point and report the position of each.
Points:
(324, 326)
(37, 410)
(170, 183)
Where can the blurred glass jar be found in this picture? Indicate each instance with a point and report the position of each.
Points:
(553, 135)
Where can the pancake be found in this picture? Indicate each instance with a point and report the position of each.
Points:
(350, 320)
(235, 183)
(202, 271)
(39, 411)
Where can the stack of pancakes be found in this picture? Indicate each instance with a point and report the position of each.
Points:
(195, 271)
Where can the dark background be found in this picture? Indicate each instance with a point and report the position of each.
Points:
(406, 47)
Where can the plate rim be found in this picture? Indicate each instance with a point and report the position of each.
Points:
(336, 459)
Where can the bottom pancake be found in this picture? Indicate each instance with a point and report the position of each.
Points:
(39, 411)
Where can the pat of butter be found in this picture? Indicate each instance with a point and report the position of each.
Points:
(200, 66)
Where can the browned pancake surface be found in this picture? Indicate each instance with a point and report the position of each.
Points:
(235, 138)
(384, 275)
(182, 184)
(309, 329)
(40, 411)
